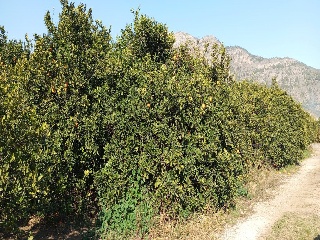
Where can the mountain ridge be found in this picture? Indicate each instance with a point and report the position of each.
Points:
(270, 58)
(299, 80)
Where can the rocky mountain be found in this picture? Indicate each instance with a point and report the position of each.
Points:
(297, 79)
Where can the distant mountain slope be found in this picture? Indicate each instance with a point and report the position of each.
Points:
(299, 80)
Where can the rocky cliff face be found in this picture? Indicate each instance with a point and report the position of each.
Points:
(299, 80)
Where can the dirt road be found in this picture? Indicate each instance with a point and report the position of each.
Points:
(300, 194)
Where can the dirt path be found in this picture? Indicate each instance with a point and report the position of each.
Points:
(300, 194)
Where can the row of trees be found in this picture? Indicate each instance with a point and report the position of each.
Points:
(131, 127)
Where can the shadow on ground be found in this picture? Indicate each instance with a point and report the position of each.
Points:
(55, 228)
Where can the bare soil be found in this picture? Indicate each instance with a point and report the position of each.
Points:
(298, 194)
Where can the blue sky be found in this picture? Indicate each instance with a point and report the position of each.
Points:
(268, 28)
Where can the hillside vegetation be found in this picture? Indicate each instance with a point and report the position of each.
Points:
(131, 127)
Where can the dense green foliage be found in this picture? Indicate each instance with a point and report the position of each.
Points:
(131, 127)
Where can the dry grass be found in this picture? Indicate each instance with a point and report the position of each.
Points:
(294, 226)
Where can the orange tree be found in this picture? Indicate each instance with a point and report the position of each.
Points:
(169, 151)
(12, 50)
(52, 101)
(276, 128)
(18, 131)
(65, 81)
